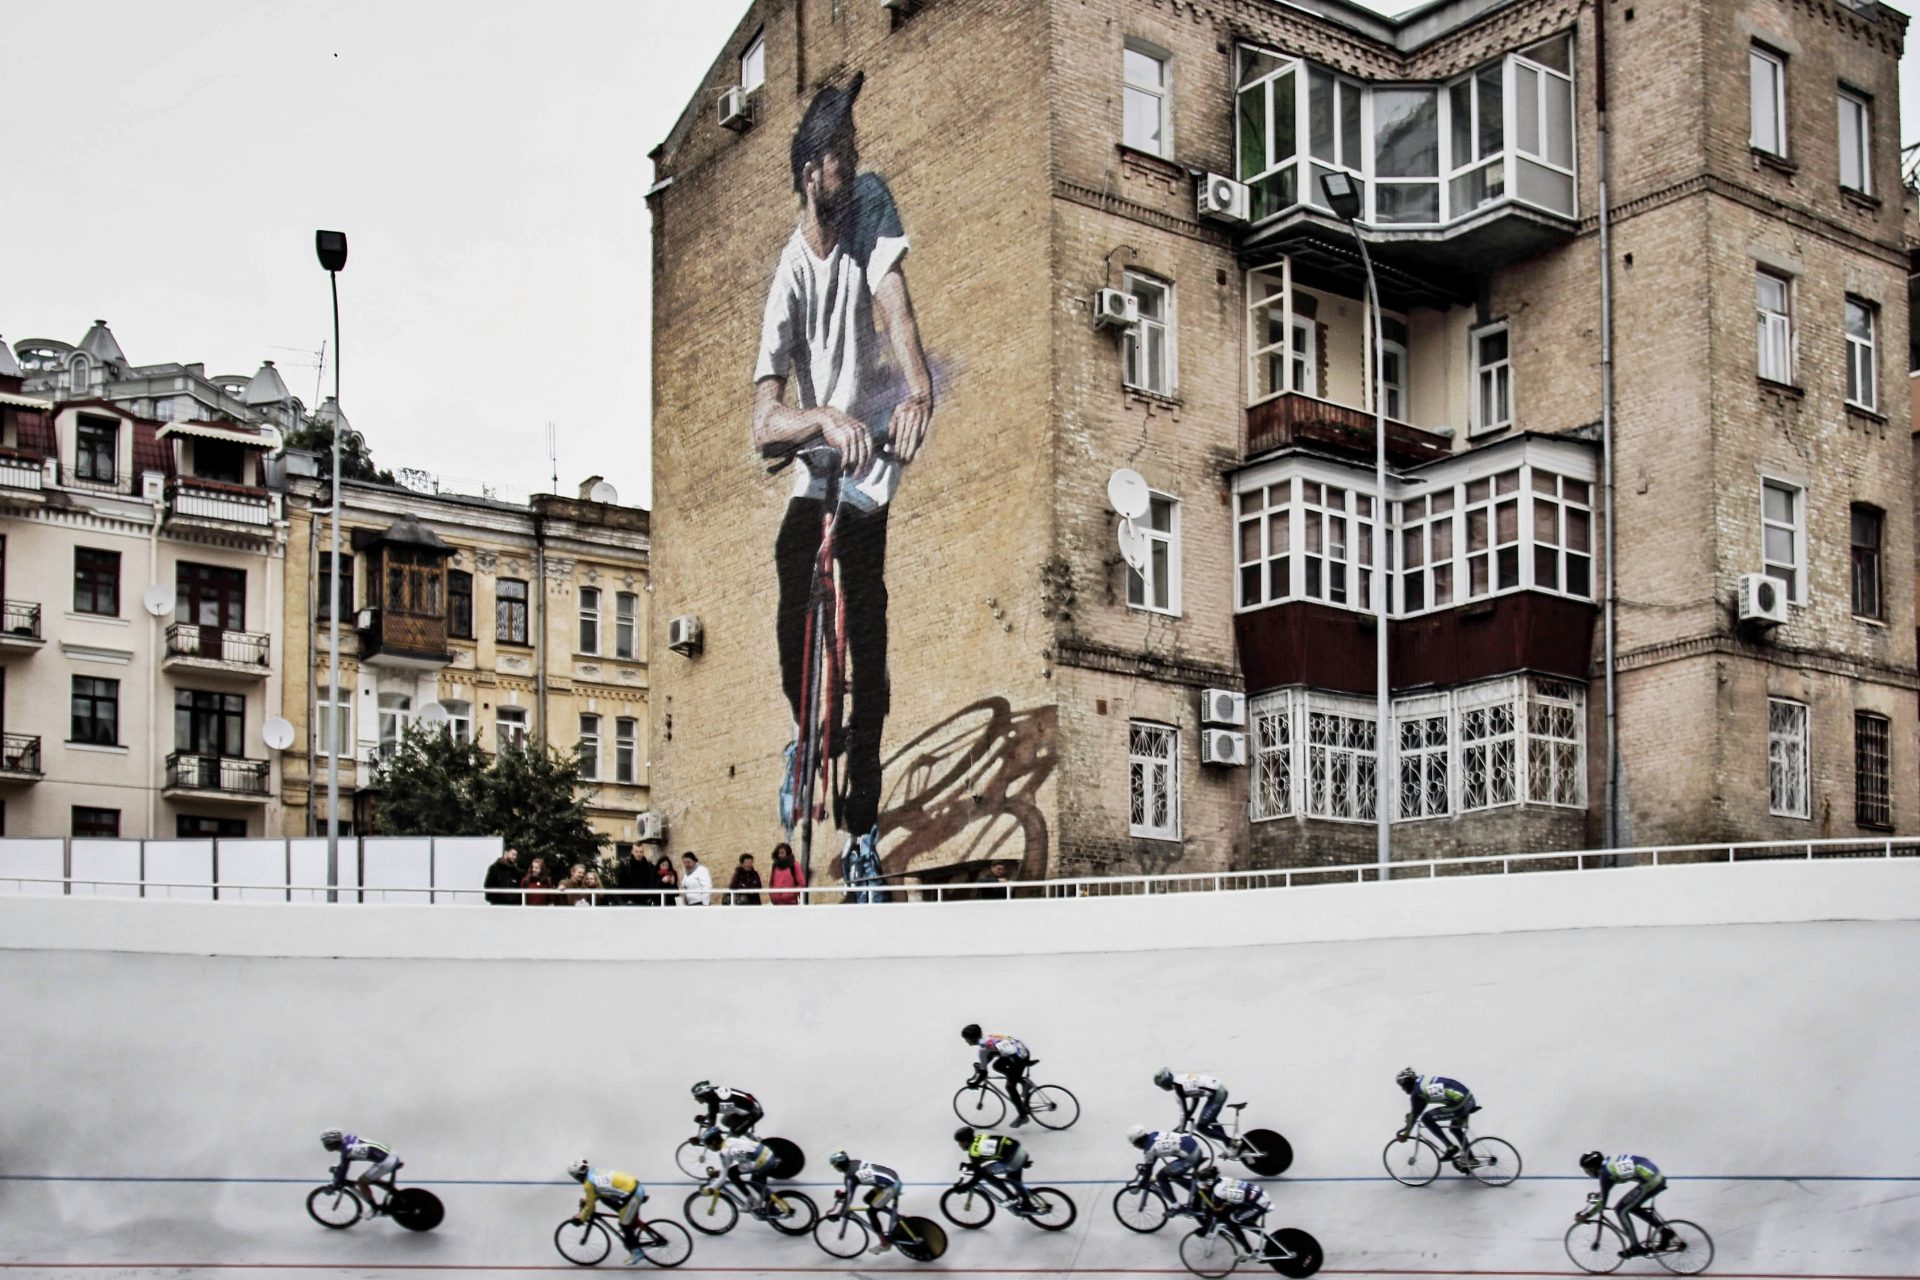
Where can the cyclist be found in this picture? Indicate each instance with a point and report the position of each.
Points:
(621, 1191)
(747, 1162)
(1452, 1103)
(883, 1194)
(1000, 1161)
(1231, 1202)
(1202, 1098)
(1647, 1182)
(734, 1110)
(1182, 1153)
(1008, 1056)
(381, 1162)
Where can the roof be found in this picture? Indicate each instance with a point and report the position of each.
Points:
(9, 367)
(409, 532)
(149, 453)
(265, 387)
(100, 345)
(329, 411)
(24, 402)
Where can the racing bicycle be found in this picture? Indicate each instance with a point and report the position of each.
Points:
(844, 1233)
(1598, 1246)
(984, 1104)
(971, 1202)
(1263, 1151)
(1141, 1206)
(662, 1242)
(339, 1205)
(714, 1209)
(1211, 1250)
(788, 1159)
(812, 768)
(1414, 1161)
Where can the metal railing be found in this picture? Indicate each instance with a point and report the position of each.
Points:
(21, 471)
(215, 644)
(20, 755)
(20, 619)
(198, 499)
(72, 477)
(229, 775)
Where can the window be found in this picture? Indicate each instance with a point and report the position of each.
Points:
(1158, 587)
(753, 63)
(1406, 154)
(1272, 718)
(1861, 383)
(396, 713)
(1265, 544)
(459, 604)
(1426, 552)
(589, 620)
(1562, 535)
(95, 824)
(96, 582)
(1872, 801)
(589, 747)
(1393, 377)
(1492, 379)
(79, 377)
(1493, 534)
(1782, 535)
(1324, 542)
(191, 826)
(510, 728)
(1153, 780)
(1333, 129)
(1788, 792)
(209, 724)
(1476, 112)
(415, 581)
(1768, 71)
(626, 624)
(1543, 125)
(1266, 131)
(1422, 757)
(96, 445)
(324, 610)
(210, 595)
(96, 711)
(1342, 760)
(333, 723)
(1146, 100)
(222, 460)
(1774, 326)
(459, 720)
(510, 610)
(1489, 747)
(1556, 755)
(1856, 142)
(626, 745)
(1149, 344)
(1867, 522)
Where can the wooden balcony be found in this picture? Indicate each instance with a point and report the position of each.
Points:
(389, 638)
(1295, 419)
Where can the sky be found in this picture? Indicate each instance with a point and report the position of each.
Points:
(488, 162)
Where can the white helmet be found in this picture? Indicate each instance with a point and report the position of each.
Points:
(1138, 1135)
(578, 1170)
(330, 1139)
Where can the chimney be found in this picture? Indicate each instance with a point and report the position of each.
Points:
(586, 487)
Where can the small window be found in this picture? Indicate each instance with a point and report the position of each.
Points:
(1146, 99)
(96, 582)
(96, 446)
(626, 625)
(192, 826)
(459, 720)
(1783, 535)
(396, 713)
(222, 460)
(459, 604)
(1856, 142)
(753, 63)
(1774, 333)
(324, 608)
(626, 740)
(1872, 745)
(95, 824)
(1157, 588)
(1154, 780)
(1867, 596)
(1768, 71)
(1492, 379)
(333, 726)
(1862, 327)
(510, 611)
(1393, 378)
(209, 724)
(81, 375)
(589, 620)
(96, 712)
(1788, 790)
(589, 747)
(510, 728)
(1149, 344)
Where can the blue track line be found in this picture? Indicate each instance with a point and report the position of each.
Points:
(1064, 1182)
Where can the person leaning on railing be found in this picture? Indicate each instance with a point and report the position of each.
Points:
(785, 877)
(744, 889)
(537, 878)
(503, 876)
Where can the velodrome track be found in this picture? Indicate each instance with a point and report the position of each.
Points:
(166, 1067)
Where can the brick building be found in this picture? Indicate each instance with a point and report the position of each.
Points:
(867, 215)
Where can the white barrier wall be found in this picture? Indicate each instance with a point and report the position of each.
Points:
(409, 870)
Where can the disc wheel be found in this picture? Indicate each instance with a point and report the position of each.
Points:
(1140, 1209)
(921, 1239)
(338, 1209)
(841, 1235)
(665, 1243)
(1054, 1209)
(981, 1106)
(1208, 1254)
(417, 1209)
(1595, 1247)
(800, 1214)
(1412, 1162)
(711, 1214)
(1265, 1152)
(788, 1158)
(1691, 1251)
(1306, 1253)
(967, 1207)
(1493, 1162)
(1054, 1106)
(691, 1158)
(584, 1244)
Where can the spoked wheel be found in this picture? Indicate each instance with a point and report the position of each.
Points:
(981, 1106)
(921, 1239)
(1053, 1106)
(665, 1244)
(798, 1217)
(584, 1244)
(1265, 1152)
(1053, 1209)
(1595, 1246)
(841, 1234)
(1299, 1253)
(711, 1214)
(1691, 1251)
(1208, 1253)
(416, 1209)
(967, 1207)
(333, 1207)
(788, 1158)
(1492, 1162)
(692, 1158)
(1412, 1162)
(1140, 1209)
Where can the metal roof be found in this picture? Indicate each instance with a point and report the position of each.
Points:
(216, 431)
(265, 387)
(100, 345)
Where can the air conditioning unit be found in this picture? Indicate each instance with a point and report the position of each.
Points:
(1763, 599)
(736, 112)
(1223, 706)
(1222, 199)
(650, 828)
(1115, 309)
(1223, 747)
(683, 634)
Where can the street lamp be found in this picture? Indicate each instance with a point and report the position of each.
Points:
(331, 248)
(1342, 193)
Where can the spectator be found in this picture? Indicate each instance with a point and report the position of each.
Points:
(996, 885)
(786, 874)
(504, 874)
(574, 885)
(591, 880)
(636, 875)
(698, 883)
(669, 879)
(537, 878)
(745, 884)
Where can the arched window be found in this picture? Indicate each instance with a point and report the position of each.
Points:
(78, 374)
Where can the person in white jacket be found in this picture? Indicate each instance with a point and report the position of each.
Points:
(696, 886)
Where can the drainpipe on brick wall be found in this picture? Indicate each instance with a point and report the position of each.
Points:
(1610, 823)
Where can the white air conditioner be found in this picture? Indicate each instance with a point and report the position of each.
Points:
(1223, 746)
(1763, 599)
(736, 112)
(1222, 199)
(1223, 706)
(650, 828)
(1115, 309)
(683, 634)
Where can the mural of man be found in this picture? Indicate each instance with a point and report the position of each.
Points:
(840, 331)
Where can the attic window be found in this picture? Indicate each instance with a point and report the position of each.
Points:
(221, 460)
(753, 63)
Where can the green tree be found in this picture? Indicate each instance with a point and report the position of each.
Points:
(432, 786)
(356, 460)
(532, 799)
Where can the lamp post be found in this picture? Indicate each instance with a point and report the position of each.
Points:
(1342, 193)
(331, 247)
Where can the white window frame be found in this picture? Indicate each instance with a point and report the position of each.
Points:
(626, 750)
(1556, 751)
(1856, 110)
(1500, 372)
(1273, 769)
(753, 62)
(1394, 390)
(1423, 757)
(1160, 94)
(587, 747)
(396, 713)
(1796, 527)
(1550, 489)
(1263, 504)
(1493, 714)
(1863, 369)
(510, 728)
(626, 624)
(1336, 554)
(1153, 768)
(1138, 342)
(1140, 593)
(459, 719)
(1773, 333)
(589, 620)
(1342, 758)
(1764, 62)
(1428, 533)
(342, 740)
(1789, 752)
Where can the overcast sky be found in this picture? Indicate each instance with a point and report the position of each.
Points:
(169, 164)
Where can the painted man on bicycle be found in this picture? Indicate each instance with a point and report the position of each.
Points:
(1643, 1181)
(622, 1192)
(840, 327)
(381, 1163)
(1452, 1103)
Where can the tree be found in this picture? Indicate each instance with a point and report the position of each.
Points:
(356, 460)
(432, 786)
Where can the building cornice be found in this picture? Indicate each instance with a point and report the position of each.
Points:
(1790, 657)
(1090, 655)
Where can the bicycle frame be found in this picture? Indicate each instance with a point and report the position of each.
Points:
(813, 756)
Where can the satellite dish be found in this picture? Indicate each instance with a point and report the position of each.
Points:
(277, 733)
(1133, 546)
(604, 492)
(158, 600)
(1127, 493)
(431, 714)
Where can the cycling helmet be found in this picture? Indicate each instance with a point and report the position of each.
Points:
(702, 1089)
(1164, 1078)
(712, 1139)
(971, 1033)
(1207, 1174)
(1592, 1161)
(964, 1135)
(1407, 1078)
(839, 1160)
(578, 1170)
(331, 1139)
(1138, 1136)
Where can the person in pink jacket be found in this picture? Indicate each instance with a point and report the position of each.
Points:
(785, 875)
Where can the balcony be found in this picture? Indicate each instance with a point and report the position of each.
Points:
(1292, 418)
(191, 776)
(415, 641)
(192, 647)
(19, 758)
(22, 478)
(92, 479)
(20, 626)
(223, 507)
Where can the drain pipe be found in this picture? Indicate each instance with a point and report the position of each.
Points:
(1610, 825)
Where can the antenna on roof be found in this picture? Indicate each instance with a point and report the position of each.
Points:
(553, 455)
(319, 371)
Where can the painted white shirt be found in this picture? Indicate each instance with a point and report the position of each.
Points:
(819, 334)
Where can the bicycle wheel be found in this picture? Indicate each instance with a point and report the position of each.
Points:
(788, 1158)
(1412, 1162)
(1492, 1162)
(416, 1209)
(1265, 1152)
(921, 1239)
(1293, 1253)
(981, 1106)
(1595, 1246)
(841, 1234)
(1691, 1251)
(584, 1244)
(794, 1213)
(665, 1243)
(1140, 1208)
(1054, 1209)
(1208, 1253)
(692, 1158)
(967, 1207)
(335, 1207)
(711, 1213)
(1053, 1106)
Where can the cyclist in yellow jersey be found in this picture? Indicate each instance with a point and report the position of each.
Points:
(999, 1160)
(621, 1191)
